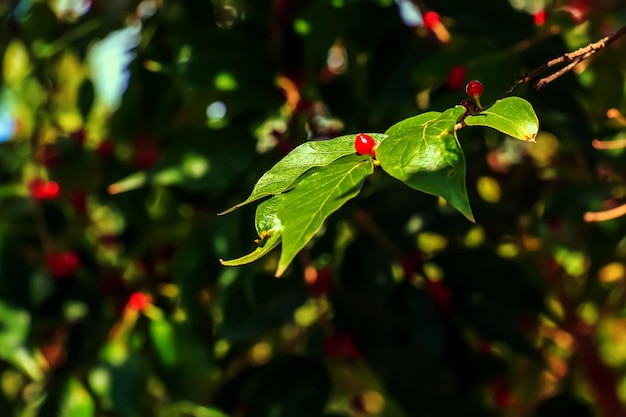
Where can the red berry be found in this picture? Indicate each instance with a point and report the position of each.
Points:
(470, 106)
(540, 18)
(78, 200)
(319, 281)
(62, 264)
(456, 77)
(138, 301)
(440, 295)
(474, 88)
(431, 19)
(41, 189)
(145, 151)
(364, 144)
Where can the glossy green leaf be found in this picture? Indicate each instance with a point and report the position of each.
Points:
(319, 194)
(512, 116)
(268, 227)
(282, 176)
(424, 153)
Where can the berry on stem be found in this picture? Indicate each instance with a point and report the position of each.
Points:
(364, 144)
(475, 89)
(470, 106)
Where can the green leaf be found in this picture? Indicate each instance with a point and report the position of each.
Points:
(15, 324)
(512, 116)
(282, 176)
(164, 340)
(321, 192)
(268, 227)
(77, 402)
(424, 153)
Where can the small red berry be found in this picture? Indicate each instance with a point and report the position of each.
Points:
(319, 281)
(474, 88)
(145, 151)
(540, 18)
(441, 297)
(41, 189)
(431, 19)
(470, 106)
(138, 301)
(364, 144)
(456, 77)
(78, 200)
(62, 264)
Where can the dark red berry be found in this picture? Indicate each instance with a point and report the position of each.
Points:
(41, 189)
(470, 106)
(364, 144)
(62, 264)
(431, 19)
(78, 200)
(320, 281)
(456, 77)
(474, 88)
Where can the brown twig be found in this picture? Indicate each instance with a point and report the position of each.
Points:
(609, 144)
(571, 59)
(600, 216)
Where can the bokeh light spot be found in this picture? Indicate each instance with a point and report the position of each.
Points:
(225, 81)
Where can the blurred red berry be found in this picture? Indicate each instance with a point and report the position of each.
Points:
(320, 281)
(78, 200)
(456, 77)
(138, 301)
(500, 393)
(145, 151)
(431, 19)
(41, 189)
(411, 264)
(540, 18)
(441, 296)
(341, 346)
(105, 149)
(62, 264)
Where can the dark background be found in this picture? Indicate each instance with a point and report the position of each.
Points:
(112, 299)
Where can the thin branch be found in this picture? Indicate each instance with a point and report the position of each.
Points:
(571, 59)
(600, 216)
(609, 144)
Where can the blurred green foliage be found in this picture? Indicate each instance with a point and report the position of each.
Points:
(126, 126)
